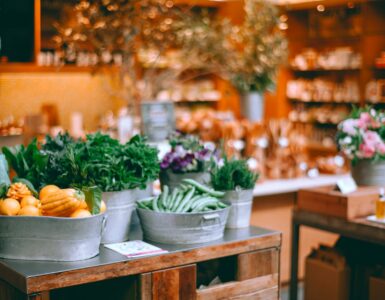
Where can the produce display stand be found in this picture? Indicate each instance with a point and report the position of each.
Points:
(359, 229)
(249, 256)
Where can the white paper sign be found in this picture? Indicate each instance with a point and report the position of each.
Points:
(135, 248)
(347, 185)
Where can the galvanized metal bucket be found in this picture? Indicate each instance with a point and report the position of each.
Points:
(172, 180)
(141, 194)
(120, 206)
(240, 210)
(183, 228)
(366, 172)
(50, 238)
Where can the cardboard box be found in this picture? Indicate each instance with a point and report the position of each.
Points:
(376, 288)
(327, 276)
(329, 201)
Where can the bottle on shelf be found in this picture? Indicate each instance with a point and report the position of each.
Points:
(380, 205)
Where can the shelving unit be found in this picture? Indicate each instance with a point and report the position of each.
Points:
(328, 25)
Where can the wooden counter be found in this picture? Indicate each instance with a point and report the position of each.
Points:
(272, 207)
(250, 258)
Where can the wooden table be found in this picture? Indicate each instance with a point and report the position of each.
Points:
(359, 229)
(248, 258)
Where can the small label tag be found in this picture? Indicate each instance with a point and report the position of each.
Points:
(346, 185)
(135, 248)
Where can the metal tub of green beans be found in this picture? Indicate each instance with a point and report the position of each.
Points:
(191, 213)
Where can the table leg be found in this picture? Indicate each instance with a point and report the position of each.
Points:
(294, 261)
(34, 297)
(38, 296)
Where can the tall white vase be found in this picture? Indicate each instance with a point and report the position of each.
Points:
(253, 106)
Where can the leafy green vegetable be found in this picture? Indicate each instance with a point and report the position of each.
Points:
(233, 174)
(28, 162)
(3, 190)
(98, 161)
(93, 197)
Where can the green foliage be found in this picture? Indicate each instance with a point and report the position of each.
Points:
(28, 162)
(98, 161)
(3, 190)
(232, 175)
(188, 142)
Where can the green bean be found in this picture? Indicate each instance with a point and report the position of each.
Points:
(203, 188)
(186, 199)
(164, 196)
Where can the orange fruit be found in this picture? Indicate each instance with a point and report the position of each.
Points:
(48, 189)
(29, 200)
(29, 210)
(80, 213)
(103, 207)
(9, 207)
(83, 204)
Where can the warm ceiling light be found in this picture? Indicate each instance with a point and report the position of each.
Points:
(350, 5)
(283, 18)
(320, 8)
(283, 26)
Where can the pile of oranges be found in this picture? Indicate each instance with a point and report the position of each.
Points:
(28, 206)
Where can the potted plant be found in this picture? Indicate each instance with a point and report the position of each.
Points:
(193, 212)
(120, 171)
(237, 181)
(361, 138)
(260, 49)
(247, 54)
(188, 158)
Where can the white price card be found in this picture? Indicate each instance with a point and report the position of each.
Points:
(135, 248)
(347, 185)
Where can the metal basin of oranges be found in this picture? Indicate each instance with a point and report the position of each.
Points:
(57, 225)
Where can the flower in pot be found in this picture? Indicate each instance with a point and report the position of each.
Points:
(361, 138)
(188, 158)
(237, 181)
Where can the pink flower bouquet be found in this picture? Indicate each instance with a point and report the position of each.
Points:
(362, 135)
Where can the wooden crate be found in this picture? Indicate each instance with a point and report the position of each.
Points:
(256, 278)
(327, 200)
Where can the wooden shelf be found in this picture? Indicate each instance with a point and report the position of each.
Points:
(324, 102)
(30, 67)
(338, 39)
(304, 5)
(382, 103)
(324, 70)
(319, 147)
(33, 68)
(316, 123)
(192, 102)
(377, 69)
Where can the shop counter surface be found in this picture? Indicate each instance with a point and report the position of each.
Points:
(31, 277)
(283, 186)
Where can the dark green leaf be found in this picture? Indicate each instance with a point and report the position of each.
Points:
(3, 190)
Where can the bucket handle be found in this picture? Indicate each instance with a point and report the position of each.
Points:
(210, 219)
(104, 224)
